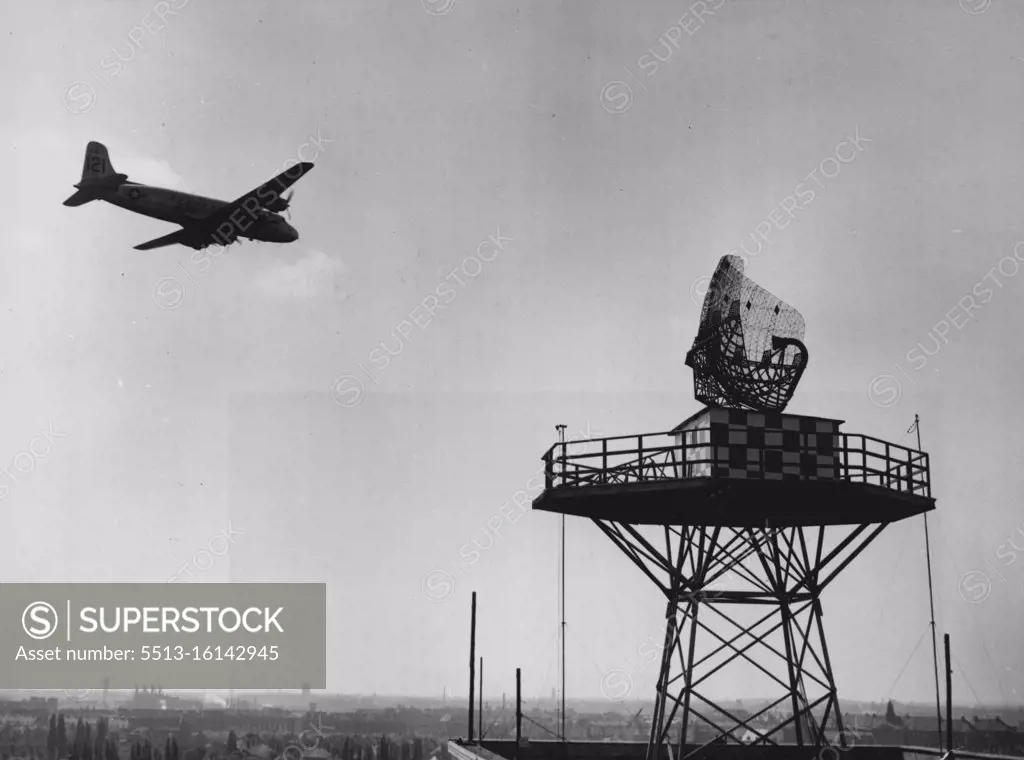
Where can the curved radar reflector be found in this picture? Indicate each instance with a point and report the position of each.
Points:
(748, 352)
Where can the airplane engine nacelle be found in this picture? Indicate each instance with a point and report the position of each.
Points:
(278, 203)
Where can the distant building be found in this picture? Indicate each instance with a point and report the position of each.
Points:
(992, 735)
(923, 731)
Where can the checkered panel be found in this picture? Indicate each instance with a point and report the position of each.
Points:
(768, 446)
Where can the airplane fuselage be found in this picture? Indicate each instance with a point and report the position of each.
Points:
(186, 209)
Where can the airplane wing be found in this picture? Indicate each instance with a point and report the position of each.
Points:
(278, 184)
(260, 195)
(175, 238)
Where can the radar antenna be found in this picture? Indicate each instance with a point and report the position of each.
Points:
(748, 352)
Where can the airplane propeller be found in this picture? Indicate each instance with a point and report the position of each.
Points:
(286, 202)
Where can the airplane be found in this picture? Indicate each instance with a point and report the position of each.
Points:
(204, 221)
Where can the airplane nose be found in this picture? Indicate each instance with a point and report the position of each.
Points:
(293, 234)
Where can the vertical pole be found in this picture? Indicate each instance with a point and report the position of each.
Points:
(563, 627)
(472, 665)
(931, 601)
(561, 439)
(481, 699)
(949, 697)
(519, 711)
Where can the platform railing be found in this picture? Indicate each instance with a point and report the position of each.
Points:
(667, 456)
(919, 753)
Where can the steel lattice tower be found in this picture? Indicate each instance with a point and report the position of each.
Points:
(727, 514)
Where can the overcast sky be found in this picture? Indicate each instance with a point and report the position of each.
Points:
(180, 406)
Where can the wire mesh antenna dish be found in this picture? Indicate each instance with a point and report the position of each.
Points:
(748, 352)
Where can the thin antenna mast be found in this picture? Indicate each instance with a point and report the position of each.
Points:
(931, 594)
(949, 698)
(472, 666)
(561, 440)
(519, 712)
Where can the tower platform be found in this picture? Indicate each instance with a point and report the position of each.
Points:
(592, 750)
(738, 468)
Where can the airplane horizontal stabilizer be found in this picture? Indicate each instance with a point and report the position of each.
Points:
(79, 198)
(175, 238)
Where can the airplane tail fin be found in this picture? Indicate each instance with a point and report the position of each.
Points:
(98, 176)
(97, 166)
